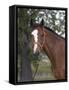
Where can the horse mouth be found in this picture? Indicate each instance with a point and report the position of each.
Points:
(36, 54)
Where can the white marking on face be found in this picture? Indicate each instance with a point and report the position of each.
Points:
(35, 48)
(35, 34)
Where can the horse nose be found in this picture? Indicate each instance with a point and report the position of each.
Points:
(36, 54)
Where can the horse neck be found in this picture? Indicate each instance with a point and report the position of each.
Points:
(51, 38)
(50, 43)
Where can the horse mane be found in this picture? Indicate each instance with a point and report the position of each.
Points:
(53, 32)
(36, 24)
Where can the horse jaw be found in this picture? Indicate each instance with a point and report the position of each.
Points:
(35, 35)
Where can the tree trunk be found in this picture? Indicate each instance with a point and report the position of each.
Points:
(26, 72)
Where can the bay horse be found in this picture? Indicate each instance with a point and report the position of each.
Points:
(45, 39)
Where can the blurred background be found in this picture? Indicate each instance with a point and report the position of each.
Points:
(30, 67)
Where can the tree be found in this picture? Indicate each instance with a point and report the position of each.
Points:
(23, 47)
(54, 19)
(24, 51)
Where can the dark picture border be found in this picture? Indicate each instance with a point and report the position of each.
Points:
(16, 43)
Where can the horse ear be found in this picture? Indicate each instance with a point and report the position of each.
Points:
(31, 22)
(42, 22)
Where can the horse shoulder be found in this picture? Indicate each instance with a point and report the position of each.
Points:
(60, 53)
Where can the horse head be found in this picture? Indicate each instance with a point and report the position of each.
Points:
(38, 37)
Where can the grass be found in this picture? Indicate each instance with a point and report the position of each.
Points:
(44, 71)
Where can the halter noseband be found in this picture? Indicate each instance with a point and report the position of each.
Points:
(43, 41)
